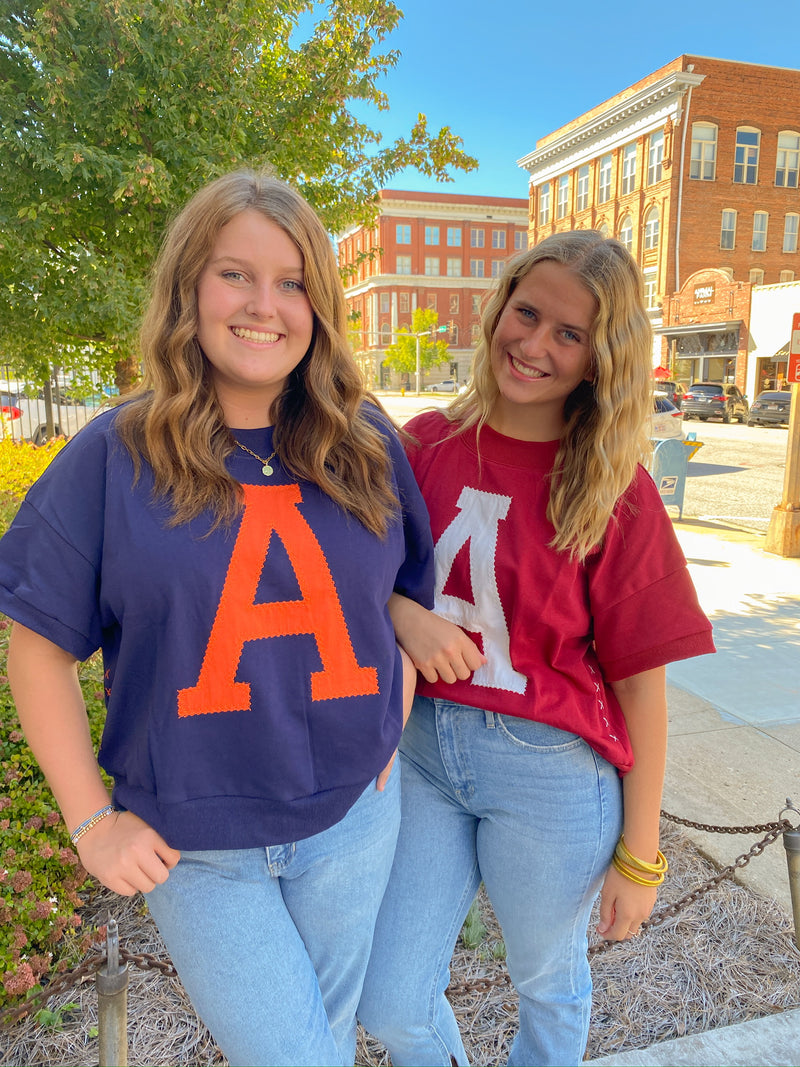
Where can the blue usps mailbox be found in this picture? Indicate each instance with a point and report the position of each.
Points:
(670, 463)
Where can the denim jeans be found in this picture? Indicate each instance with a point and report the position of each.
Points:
(272, 943)
(533, 812)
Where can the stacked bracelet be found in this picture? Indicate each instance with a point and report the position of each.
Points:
(636, 870)
(93, 820)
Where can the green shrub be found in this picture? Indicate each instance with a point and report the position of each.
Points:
(40, 874)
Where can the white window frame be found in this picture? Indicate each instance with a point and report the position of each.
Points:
(431, 235)
(476, 237)
(703, 161)
(498, 238)
(454, 267)
(476, 268)
(655, 158)
(403, 303)
(385, 303)
(727, 234)
(787, 164)
(626, 232)
(629, 168)
(432, 266)
(454, 237)
(760, 227)
(562, 196)
(582, 188)
(650, 294)
(520, 240)
(745, 165)
(756, 276)
(402, 234)
(544, 204)
(791, 226)
(497, 267)
(605, 173)
(402, 265)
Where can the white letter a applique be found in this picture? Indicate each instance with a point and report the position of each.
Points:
(477, 523)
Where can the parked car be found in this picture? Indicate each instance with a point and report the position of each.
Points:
(449, 385)
(714, 400)
(671, 390)
(770, 408)
(666, 420)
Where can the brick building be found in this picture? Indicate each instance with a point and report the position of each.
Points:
(427, 250)
(695, 168)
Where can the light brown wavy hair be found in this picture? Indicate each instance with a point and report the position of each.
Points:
(606, 419)
(175, 423)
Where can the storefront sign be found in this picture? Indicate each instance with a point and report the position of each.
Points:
(704, 294)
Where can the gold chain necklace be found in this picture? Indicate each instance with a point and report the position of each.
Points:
(266, 467)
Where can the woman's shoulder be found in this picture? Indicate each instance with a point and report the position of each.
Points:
(429, 427)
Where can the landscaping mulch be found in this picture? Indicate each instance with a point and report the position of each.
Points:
(727, 958)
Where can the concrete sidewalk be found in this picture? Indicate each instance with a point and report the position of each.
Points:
(734, 751)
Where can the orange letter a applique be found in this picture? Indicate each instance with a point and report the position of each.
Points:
(273, 509)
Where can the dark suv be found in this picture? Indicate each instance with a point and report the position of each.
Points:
(713, 400)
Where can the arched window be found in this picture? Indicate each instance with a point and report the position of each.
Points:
(788, 160)
(626, 232)
(651, 224)
(703, 164)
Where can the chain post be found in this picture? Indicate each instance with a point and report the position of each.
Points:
(791, 842)
(112, 1004)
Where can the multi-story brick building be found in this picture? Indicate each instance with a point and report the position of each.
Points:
(426, 250)
(695, 168)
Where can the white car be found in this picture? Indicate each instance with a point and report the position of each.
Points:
(665, 422)
(449, 385)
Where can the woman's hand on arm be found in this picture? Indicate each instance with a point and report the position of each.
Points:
(624, 905)
(121, 850)
(439, 649)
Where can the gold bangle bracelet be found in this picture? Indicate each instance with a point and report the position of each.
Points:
(635, 876)
(91, 822)
(659, 867)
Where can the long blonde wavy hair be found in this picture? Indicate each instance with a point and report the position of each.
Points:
(606, 419)
(175, 423)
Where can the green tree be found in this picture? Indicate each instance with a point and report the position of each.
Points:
(112, 112)
(402, 354)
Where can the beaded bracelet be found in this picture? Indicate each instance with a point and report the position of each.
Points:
(92, 821)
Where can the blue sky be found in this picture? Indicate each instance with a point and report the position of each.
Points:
(502, 74)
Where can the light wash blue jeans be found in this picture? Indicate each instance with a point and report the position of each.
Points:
(533, 812)
(272, 943)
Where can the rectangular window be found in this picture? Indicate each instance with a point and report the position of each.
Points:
(703, 163)
(403, 265)
(476, 305)
(756, 276)
(497, 267)
(476, 238)
(403, 234)
(760, 220)
(476, 268)
(454, 236)
(562, 202)
(629, 168)
(650, 294)
(788, 164)
(432, 266)
(454, 303)
(745, 166)
(790, 227)
(454, 334)
(655, 158)
(431, 302)
(498, 238)
(384, 303)
(520, 240)
(727, 237)
(544, 205)
(404, 303)
(582, 197)
(453, 267)
(604, 180)
(431, 235)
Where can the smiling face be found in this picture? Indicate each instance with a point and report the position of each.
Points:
(541, 351)
(255, 321)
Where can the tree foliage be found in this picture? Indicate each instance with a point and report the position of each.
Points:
(402, 354)
(113, 112)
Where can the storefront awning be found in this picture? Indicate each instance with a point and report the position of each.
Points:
(681, 330)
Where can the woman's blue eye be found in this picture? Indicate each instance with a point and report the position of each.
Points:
(292, 283)
(232, 275)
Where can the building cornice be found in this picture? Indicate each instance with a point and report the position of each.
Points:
(416, 281)
(620, 122)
